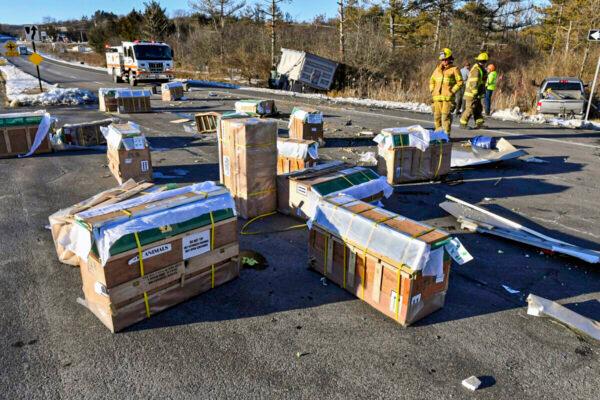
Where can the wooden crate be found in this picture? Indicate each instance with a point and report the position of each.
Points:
(294, 189)
(130, 164)
(17, 134)
(303, 130)
(248, 164)
(125, 266)
(62, 221)
(131, 105)
(145, 296)
(207, 122)
(288, 163)
(395, 290)
(410, 164)
(172, 94)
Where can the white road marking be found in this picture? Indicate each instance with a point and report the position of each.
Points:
(591, 146)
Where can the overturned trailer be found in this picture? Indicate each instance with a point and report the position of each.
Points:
(302, 71)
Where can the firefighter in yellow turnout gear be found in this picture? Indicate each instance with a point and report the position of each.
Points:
(445, 81)
(474, 92)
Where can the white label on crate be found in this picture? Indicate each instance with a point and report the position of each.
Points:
(100, 289)
(139, 143)
(226, 166)
(149, 253)
(196, 244)
(393, 299)
(144, 165)
(301, 189)
(415, 299)
(458, 252)
(128, 160)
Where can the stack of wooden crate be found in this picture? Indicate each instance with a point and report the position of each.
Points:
(248, 163)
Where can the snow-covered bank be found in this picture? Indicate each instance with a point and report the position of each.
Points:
(21, 89)
(392, 105)
(515, 115)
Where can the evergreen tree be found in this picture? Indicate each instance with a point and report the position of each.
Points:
(157, 26)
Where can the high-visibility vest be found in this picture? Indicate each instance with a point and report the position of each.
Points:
(491, 80)
(475, 83)
(444, 83)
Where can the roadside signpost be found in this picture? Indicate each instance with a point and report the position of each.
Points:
(11, 49)
(593, 36)
(32, 33)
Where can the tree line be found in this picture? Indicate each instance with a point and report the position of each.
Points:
(390, 45)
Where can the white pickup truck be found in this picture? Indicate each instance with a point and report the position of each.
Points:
(140, 62)
(564, 97)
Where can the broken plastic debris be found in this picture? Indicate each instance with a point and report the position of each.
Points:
(510, 290)
(539, 307)
(472, 383)
(535, 160)
(300, 354)
(324, 281)
(249, 261)
(368, 157)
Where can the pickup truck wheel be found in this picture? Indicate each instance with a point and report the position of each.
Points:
(132, 80)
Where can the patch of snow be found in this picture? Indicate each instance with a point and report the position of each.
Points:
(515, 115)
(21, 88)
(392, 105)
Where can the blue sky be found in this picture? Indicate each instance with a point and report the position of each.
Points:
(33, 11)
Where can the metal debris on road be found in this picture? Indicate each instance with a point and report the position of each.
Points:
(541, 307)
(477, 219)
(510, 290)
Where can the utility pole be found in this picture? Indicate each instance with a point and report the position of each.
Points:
(593, 36)
(342, 39)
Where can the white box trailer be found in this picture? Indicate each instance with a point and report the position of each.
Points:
(307, 69)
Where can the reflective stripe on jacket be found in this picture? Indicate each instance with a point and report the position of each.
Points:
(475, 83)
(444, 83)
(491, 80)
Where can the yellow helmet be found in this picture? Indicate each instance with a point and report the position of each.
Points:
(482, 57)
(445, 54)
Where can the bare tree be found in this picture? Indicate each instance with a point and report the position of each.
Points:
(219, 11)
(342, 39)
(275, 14)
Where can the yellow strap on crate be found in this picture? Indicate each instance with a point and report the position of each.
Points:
(345, 267)
(139, 246)
(325, 254)
(397, 307)
(141, 262)
(437, 171)
(260, 192)
(212, 246)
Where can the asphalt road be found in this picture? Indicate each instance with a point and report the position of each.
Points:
(240, 340)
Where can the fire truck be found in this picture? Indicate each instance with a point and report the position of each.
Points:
(140, 61)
